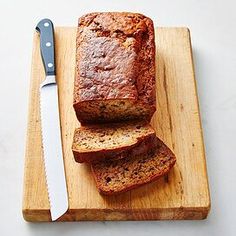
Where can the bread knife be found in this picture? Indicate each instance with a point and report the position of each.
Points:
(50, 124)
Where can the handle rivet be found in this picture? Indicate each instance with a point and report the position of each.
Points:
(50, 65)
(48, 44)
(46, 24)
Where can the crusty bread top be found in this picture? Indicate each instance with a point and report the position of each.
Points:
(124, 174)
(115, 58)
(111, 136)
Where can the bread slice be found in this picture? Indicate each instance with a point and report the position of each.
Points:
(115, 140)
(118, 176)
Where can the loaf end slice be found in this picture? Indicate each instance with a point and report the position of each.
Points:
(113, 177)
(112, 141)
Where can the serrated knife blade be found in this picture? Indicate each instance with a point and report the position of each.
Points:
(50, 125)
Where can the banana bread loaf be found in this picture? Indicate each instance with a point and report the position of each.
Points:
(94, 143)
(121, 175)
(115, 68)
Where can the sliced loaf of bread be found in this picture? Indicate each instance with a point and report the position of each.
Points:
(111, 141)
(121, 175)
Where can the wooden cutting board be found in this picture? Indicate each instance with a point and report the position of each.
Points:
(183, 194)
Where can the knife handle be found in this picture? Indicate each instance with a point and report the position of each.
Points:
(46, 30)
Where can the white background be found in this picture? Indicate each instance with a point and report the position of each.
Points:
(213, 30)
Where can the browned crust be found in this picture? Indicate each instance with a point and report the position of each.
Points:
(149, 179)
(136, 63)
(143, 145)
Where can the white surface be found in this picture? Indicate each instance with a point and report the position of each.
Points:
(213, 29)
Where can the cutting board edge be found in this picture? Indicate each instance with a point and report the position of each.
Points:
(199, 119)
(176, 213)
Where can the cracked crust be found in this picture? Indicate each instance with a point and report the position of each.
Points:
(115, 68)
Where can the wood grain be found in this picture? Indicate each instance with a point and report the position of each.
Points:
(183, 194)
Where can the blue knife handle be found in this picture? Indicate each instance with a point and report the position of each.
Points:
(46, 30)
